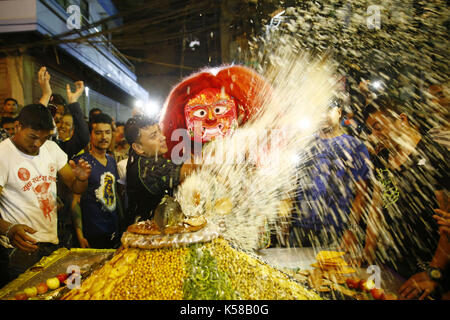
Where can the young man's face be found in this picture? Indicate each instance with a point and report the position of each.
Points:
(332, 117)
(151, 141)
(65, 127)
(119, 134)
(385, 130)
(9, 127)
(101, 136)
(9, 108)
(29, 140)
(58, 120)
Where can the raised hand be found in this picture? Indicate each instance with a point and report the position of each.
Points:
(44, 83)
(82, 169)
(74, 96)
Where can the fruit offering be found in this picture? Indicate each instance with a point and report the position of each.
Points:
(20, 296)
(31, 292)
(53, 283)
(38, 291)
(368, 286)
(42, 288)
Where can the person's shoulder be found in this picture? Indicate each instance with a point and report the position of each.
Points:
(3, 134)
(123, 162)
(352, 141)
(355, 146)
(5, 143)
(53, 148)
(51, 145)
(5, 147)
(111, 158)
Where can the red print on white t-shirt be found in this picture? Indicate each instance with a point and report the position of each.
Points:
(46, 201)
(23, 174)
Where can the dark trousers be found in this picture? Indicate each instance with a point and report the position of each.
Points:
(14, 262)
(4, 273)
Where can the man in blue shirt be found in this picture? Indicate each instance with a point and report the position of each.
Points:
(98, 226)
(331, 185)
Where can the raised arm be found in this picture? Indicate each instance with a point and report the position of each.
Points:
(80, 136)
(44, 82)
(442, 255)
(350, 242)
(76, 175)
(421, 284)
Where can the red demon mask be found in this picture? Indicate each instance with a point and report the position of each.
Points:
(241, 91)
(212, 110)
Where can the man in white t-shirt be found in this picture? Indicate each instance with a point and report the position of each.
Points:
(29, 167)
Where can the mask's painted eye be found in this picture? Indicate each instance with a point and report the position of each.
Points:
(200, 113)
(220, 110)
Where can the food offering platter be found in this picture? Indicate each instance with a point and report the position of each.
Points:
(178, 257)
(148, 235)
(326, 271)
(213, 270)
(47, 279)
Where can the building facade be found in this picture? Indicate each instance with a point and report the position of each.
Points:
(37, 33)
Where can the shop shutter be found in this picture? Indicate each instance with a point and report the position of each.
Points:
(3, 83)
(109, 106)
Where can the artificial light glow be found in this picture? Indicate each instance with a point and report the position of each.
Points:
(377, 84)
(152, 108)
(305, 123)
(138, 103)
(86, 91)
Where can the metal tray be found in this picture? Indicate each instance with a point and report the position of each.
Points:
(87, 260)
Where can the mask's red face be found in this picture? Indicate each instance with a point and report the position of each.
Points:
(211, 113)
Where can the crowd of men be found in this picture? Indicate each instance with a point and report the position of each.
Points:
(383, 199)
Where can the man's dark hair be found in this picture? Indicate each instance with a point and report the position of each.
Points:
(92, 111)
(36, 117)
(388, 107)
(57, 100)
(383, 104)
(133, 126)
(10, 99)
(120, 124)
(6, 120)
(99, 118)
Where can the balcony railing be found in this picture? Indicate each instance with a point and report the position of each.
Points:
(104, 42)
(99, 41)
